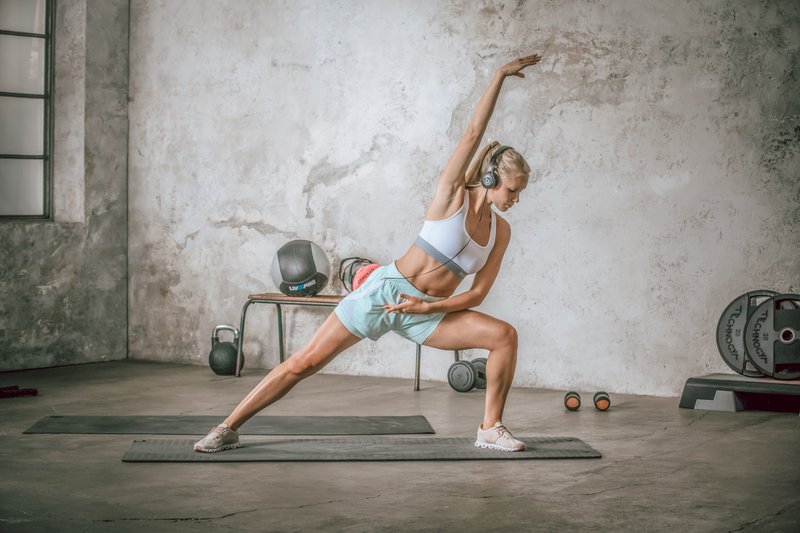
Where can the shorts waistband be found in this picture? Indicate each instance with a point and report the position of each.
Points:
(408, 287)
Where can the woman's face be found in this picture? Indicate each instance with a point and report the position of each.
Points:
(507, 192)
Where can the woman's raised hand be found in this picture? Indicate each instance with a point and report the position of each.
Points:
(513, 68)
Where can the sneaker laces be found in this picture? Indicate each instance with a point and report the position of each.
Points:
(503, 430)
(221, 429)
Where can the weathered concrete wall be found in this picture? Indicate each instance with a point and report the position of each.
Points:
(63, 284)
(664, 137)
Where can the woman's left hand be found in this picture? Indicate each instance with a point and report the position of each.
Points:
(408, 304)
(513, 68)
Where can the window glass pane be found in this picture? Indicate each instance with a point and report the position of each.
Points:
(21, 126)
(22, 15)
(21, 187)
(21, 64)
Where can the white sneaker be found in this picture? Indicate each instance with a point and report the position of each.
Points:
(498, 437)
(220, 438)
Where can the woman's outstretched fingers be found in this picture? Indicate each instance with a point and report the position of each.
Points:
(513, 68)
(531, 60)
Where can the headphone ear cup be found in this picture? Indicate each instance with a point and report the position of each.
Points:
(489, 180)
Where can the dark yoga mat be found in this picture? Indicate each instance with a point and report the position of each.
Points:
(259, 425)
(356, 449)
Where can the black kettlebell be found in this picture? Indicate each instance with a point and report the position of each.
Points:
(222, 358)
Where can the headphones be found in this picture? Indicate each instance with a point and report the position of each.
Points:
(490, 179)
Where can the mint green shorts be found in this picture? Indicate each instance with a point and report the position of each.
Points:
(362, 311)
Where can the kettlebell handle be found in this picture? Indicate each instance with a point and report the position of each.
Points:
(221, 327)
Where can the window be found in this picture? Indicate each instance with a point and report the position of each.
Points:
(26, 81)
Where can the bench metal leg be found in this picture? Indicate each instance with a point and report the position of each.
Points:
(281, 349)
(241, 338)
(416, 372)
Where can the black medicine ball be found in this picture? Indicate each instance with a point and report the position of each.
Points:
(300, 268)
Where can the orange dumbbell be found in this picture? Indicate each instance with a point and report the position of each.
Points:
(601, 401)
(572, 401)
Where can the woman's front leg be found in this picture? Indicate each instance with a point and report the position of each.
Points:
(500, 368)
(472, 329)
(331, 339)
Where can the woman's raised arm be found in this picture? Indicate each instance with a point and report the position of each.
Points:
(452, 177)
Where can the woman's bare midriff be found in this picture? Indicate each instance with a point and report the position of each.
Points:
(440, 282)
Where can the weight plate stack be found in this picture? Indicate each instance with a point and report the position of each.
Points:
(461, 376)
(772, 337)
(480, 372)
(730, 331)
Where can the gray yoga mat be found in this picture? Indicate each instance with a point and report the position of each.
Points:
(356, 449)
(259, 425)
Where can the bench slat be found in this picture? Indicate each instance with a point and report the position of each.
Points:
(277, 296)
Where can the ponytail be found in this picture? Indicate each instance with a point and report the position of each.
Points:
(479, 164)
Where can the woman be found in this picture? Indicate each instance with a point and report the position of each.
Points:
(414, 296)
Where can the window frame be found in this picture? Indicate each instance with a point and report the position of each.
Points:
(47, 97)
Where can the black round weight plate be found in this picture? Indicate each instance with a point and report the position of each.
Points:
(772, 336)
(480, 372)
(730, 331)
(461, 376)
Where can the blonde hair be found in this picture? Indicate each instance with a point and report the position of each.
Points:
(510, 160)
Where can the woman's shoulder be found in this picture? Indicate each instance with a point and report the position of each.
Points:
(503, 226)
(446, 203)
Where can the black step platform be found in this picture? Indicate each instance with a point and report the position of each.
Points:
(734, 392)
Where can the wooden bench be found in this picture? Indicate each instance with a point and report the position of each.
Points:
(278, 300)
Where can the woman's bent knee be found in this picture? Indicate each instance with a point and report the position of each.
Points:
(507, 335)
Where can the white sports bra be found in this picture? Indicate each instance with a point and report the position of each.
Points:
(448, 242)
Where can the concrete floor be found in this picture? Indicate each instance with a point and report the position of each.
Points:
(663, 468)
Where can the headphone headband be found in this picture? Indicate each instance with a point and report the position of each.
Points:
(496, 155)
